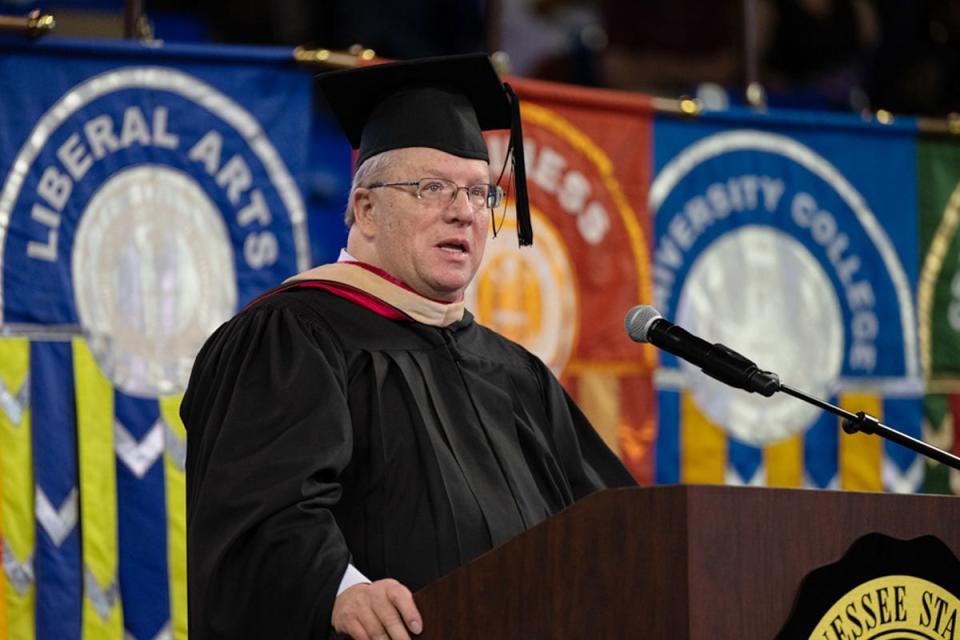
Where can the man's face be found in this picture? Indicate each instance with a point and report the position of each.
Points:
(435, 249)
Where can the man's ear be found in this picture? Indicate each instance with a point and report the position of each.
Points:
(364, 215)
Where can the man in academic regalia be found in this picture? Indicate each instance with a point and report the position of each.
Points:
(355, 434)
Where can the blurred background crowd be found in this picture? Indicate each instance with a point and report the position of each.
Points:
(843, 55)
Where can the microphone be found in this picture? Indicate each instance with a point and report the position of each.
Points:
(645, 324)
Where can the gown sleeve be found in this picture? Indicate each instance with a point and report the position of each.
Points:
(268, 435)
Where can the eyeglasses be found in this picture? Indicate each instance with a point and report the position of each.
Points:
(442, 192)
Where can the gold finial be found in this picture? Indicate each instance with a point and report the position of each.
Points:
(362, 52)
(336, 59)
(884, 117)
(756, 95)
(953, 123)
(301, 54)
(39, 24)
(689, 106)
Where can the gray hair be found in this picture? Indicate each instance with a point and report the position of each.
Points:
(371, 171)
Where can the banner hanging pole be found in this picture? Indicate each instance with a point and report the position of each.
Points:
(753, 90)
(353, 57)
(34, 24)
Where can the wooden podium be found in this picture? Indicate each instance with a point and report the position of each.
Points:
(678, 562)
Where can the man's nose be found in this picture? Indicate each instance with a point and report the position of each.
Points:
(460, 208)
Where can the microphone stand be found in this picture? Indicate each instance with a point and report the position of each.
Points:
(860, 421)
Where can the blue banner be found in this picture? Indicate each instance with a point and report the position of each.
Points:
(131, 176)
(147, 194)
(793, 240)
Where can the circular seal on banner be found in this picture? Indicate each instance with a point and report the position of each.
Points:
(150, 260)
(146, 205)
(764, 246)
(745, 311)
(529, 296)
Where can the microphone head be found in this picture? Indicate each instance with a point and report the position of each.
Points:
(638, 321)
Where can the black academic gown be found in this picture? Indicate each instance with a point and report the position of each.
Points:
(321, 433)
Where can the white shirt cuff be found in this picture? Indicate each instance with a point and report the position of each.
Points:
(351, 577)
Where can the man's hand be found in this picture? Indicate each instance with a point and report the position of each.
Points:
(378, 610)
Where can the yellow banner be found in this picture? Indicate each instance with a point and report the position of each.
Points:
(703, 445)
(16, 476)
(102, 615)
(861, 455)
(175, 443)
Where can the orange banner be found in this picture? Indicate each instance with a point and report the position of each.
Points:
(588, 161)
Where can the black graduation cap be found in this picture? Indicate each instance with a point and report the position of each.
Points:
(444, 103)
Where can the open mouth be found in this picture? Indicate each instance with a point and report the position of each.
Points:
(453, 247)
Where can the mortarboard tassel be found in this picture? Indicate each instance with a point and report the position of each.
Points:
(524, 227)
